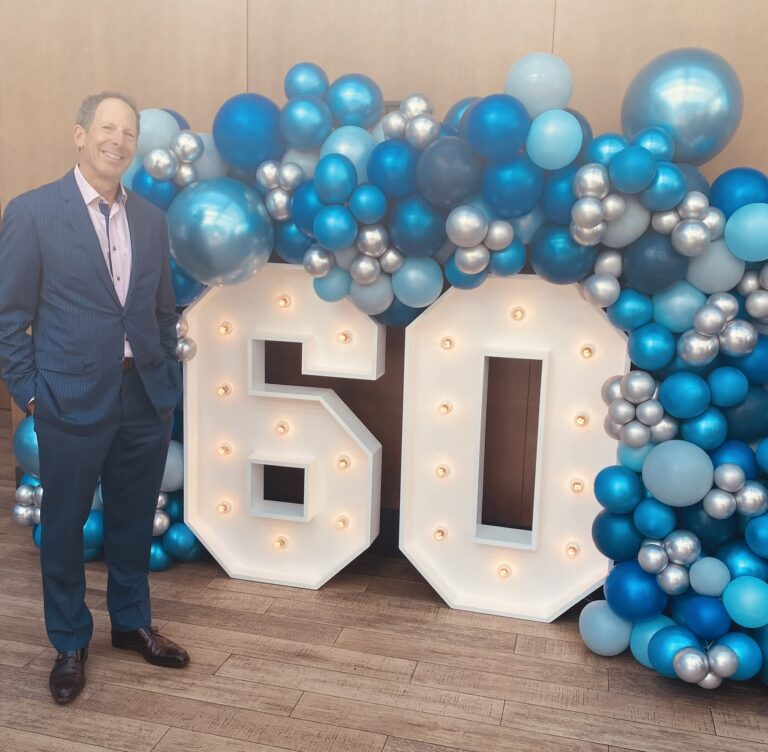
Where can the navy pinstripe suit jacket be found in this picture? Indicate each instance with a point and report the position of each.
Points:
(53, 277)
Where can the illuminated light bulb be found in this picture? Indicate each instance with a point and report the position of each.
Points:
(343, 462)
(587, 352)
(504, 571)
(225, 328)
(447, 343)
(445, 408)
(572, 550)
(440, 533)
(224, 449)
(224, 390)
(518, 314)
(344, 338)
(581, 420)
(280, 542)
(282, 428)
(577, 485)
(224, 507)
(342, 522)
(283, 301)
(442, 471)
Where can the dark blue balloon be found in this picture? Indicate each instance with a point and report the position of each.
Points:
(368, 204)
(654, 519)
(508, 261)
(652, 265)
(586, 132)
(497, 126)
(158, 192)
(185, 287)
(676, 606)
(633, 309)
(742, 561)
(657, 141)
(399, 314)
(290, 242)
(651, 346)
(632, 593)
(179, 118)
(738, 453)
(666, 189)
(755, 365)
(632, 169)
(728, 386)
(305, 204)
(392, 168)
(711, 532)
(449, 171)
(460, 279)
(558, 197)
(748, 421)
(708, 430)
(604, 147)
(453, 116)
(738, 187)
(417, 228)
(513, 187)
(706, 616)
(246, 131)
(665, 644)
(335, 178)
(684, 395)
(558, 258)
(618, 489)
(616, 536)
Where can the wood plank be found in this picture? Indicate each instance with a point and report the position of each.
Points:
(211, 598)
(735, 725)
(182, 740)
(14, 653)
(421, 591)
(394, 694)
(16, 740)
(573, 652)
(343, 582)
(565, 628)
(395, 744)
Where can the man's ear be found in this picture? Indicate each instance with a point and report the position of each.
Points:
(79, 136)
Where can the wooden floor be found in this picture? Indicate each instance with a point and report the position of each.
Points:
(373, 661)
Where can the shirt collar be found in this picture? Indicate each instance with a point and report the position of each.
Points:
(90, 194)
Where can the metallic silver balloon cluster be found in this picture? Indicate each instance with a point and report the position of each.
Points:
(754, 287)
(732, 493)
(669, 559)
(162, 519)
(277, 182)
(635, 416)
(177, 162)
(26, 510)
(413, 121)
(476, 238)
(707, 669)
(693, 224)
(717, 330)
(186, 347)
(595, 205)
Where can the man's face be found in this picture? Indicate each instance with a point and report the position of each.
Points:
(108, 146)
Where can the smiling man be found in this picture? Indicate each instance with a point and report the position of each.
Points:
(85, 266)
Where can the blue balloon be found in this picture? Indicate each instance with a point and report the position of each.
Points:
(706, 617)
(127, 177)
(178, 539)
(654, 519)
(632, 169)
(709, 576)
(707, 430)
(461, 280)
(159, 558)
(604, 147)
(694, 180)
(335, 227)
(392, 168)
(333, 286)
(221, 232)
(742, 562)
(449, 172)
(616, 536)
(652, 265)
(554, 140)
(558, 258)
(748, 652)
(678, 473)
(738, 453)
(586, 132)
(631, 310)
(618, 489)
(633, 457)
(684, 395)
(355, 99)
(497, 126)
(711, 532)
(29, 480)
(748, 421)
(368, 204)
(692, 93)
(745, 232)
(305, 204)
(354, 143)
(666, 189)
(158, 192)
(305, 79)
(417, 228)
(509, 260)
(642, 633)
(676, 306)
(728, 387)
(632, 593)
(193, 554)
(399, 314)
(603, 631)
(512, 187)
(290, 242)
(186, 288)
(453, 116)
(558, 197)
(666, 643)
(418, 282)
(756, 535)
(738, 187)
(37, 535)
(246, 131)
(93, 530)
(175, 506)
(761, 453)
(25, 448)
(305, 122)
(91, 554)
(657, 141)
(335, 178)
(746, 600)
(651, 346)
(179, 118)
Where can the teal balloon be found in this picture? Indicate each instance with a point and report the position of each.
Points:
(290, 242)
(334, 285)
(741, 560)
(496, 126)
(667, 188)
(676, 306)
(632, 169)
(513, 186)
(693, 94)
(175, 506)
(558, 258)
(355, 99)
(642, 633)
(305, 79)
(416, 227)
(684, 395)
(93, 530)
(746, 600)
(335, 227)
(353, 142)
(746, 232)
(178, 539)
(706, 617)
(158, 192)
(678, 473)
(186, 289)
(651, 346)
(709, 576)
(748, 652)
(657, 141)
(604, 147)
(25, 448)
(603, 631)
(633, 457)
(461, 280)
(305, 122)
(616, 536)
(305, 204)
(159, 558)
(707, 430)
(654, 519)
(554, 140)
(335, 178)
(664, 645)
(508, 261)
(558, 197)
(756, 535)
(618, 489)
(728, 387)
(418, 282)
(631, 310)
(368, 204)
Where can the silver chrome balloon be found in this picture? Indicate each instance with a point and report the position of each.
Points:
(715, 220)
(697, 349)
(587, 212)
(182, 327)
(472, 260)
(25, 495)
(391, 260)
(187, 146)
(499, 236)
(665, 222)
(611, 389)
(709, 319)
(614, 206)
(621, 411)
(609, 262)
(652, 558)
(650, 412)
(467, 226)
(421, 131)
(601, 289)
(710, 681)
(757, 303)
(372, 240)
(162, 500)
(665, 430)
(723, 661)
(23, 514)
(161, 522)
(638, 386)
(186, 349)
(318, 261)
(726, 302)
(267, 174)
(37, 496)
(719, 504)
(691, 237)
(749, 282)
(763, 276)
(691, 665)
(278, 203)
(674, 579)
(290, 176)
(682, 547)
(739, 337)
(752, 498)
(588, 236)
(36, 515)
(161, 164)
(635, 434)
(729, 477)
(693, 206)
(611, 428)
(591, 180)
(393, 124)
(365, 270)
(416, 104)
(185, 175)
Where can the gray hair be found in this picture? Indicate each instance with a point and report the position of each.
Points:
(88, 108)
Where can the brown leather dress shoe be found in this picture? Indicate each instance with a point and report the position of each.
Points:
(152, 645)
(67, 677)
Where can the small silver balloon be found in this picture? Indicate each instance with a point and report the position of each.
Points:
(467, 226)
(612, 429)
(609, 262)
(611, 389)
(682, 547)
(97, 503)
(697, 349)
(665, 430)
(499, 236)
(588, 236)
(185, 175)
(278, 203)
(652, 558)
(416, 104)
(691, 665)
(710, 681)
(393, 124)
(650, 412)
(372, 240)
(290, 176)
(674, 579)
(36, 515)
(719, 504)
(614, 206)
(709, 319)
(665, 222)
(162, 500)
(715, 220)
(635, 434)
(749, 282)
(739, 337)
(267, 174)
(23, 514)
(318, 261)
(25, 495)
(186, 349)
(391, 260)
(161, 164)
(757, 304)
(472, 260)
(182, 327)
(601, 290)
(729, 477)
(693, 206)
(763, 276)
(421, 131)
(723, 661)
(752, 498)
(587, 212)
(591, 180)
(188, 146)
(691, 237)
(161, 522)
(638, 386)
(365, 270)
(726, 302)
(621, 411)
(37, 496)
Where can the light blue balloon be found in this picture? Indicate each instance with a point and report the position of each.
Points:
(694, 94)
(642, 632)
(220, 231)
(374, 298)
(25, 447)
(541, 81)
(676, 306)
(354, 143)
(305, 79)
(210, 164)
(418, 282)
(678, 473)
(355, 99)
(746, 601)
(127, 177)
(746, 232)
(554, 139)
(334, 285)
(157, 130)
(633, 457)
(527, 226)
(305, 122)
(716, 269)
(602, 630)
(709, 576)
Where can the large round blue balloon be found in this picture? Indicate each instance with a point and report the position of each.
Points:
(728, 386)
(305, 204)
(392, 168)
(418, 282)
(618, 489)
(158, 192)
(651, 264)
(335, 178)
(333, 286)
(290, 242)
(449, 172)
(678, 473)
(417, 228)
(558, 258)
(631, 310)
(497, 126)
(738, 187)
(355, 99)
(508, 261)
(186, 288)
(684, 395)
(651, 346)
(305, 79)
(305, 122)
(25, 447)
(558, 197)
(666, 643)
(93, 530)
(706, 616)
(220, 231)
(246, 131)
(746, 232)
(746, 600)
(616, 536)
(512, 187)
(694, 94)
(632, 593)
(632, 169)
(756, 535)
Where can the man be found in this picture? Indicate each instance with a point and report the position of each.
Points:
(84, 263)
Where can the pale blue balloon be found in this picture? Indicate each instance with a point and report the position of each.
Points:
(554, 139)
(305, 79)
(541, 81)
(678, 473)
(334, 285)
(127, 177)
(353, 142)
(746, 232)
(157, 130)
(746, 601)
(602, 630)
(633, 457)
(418, 282)
(642, 632)
(694, 94)
(715, 270)
(676, 306)
(526, 226)
(307, 159)
(210, 163)
(374, 298)
(709, 576)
